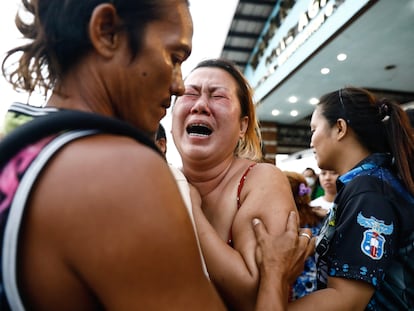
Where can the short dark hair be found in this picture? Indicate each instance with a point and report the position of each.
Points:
(160, 133)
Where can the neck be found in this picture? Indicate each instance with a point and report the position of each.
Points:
(329, 196)
(350, 159)
(206, 177)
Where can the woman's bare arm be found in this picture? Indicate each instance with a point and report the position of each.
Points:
(265, 195)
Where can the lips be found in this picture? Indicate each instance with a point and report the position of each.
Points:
(199, 129)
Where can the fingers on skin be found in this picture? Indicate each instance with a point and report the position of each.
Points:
(292, 224)
(259, 229)
(286, 252)
(306, 241)
(261, 232)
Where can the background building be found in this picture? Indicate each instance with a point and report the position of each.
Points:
(292, 52)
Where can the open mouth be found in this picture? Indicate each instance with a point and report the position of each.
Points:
(199, 130)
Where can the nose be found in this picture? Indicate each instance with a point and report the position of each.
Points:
(177, 84)
(201, 105)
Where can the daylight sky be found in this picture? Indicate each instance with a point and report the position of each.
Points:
(211, 20)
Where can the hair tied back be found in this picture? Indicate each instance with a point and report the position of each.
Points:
(384, 111)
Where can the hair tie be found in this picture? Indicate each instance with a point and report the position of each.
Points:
(384, 112)
(303, 189)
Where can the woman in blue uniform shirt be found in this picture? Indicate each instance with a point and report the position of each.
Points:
(365, 249)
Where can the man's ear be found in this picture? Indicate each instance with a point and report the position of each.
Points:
(104, 29)
(341, 128)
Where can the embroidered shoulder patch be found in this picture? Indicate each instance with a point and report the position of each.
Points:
(373, 240)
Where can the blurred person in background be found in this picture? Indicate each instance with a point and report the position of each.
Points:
(306, 282)
(323, 204)
(312, 180)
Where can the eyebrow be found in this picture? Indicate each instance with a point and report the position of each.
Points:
(192, 86)
(210, 88)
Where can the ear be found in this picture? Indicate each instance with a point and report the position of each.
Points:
(162, 144)
(341, 128)
(104, 29)
(244, 123)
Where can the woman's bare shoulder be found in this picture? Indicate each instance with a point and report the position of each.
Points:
(267, 171)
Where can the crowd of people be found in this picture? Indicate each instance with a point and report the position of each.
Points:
(92, 217)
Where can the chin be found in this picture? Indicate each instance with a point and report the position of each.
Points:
(320, 164)
(193, 153)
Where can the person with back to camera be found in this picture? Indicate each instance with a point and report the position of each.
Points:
(306, 282)
(323, 204)
(93, 236)
(215, 130)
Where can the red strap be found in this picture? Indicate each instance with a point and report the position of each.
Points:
(241, 184)
(239, 189)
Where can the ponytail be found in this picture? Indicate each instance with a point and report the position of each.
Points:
(400, 137)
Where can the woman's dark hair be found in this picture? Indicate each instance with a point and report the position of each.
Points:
(58, 34)
(250, 146)
(380, 125)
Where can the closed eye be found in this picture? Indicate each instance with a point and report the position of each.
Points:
(191, 91)
(219, 95)
(190, 94)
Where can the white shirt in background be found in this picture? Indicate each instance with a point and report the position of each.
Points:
(324, 204)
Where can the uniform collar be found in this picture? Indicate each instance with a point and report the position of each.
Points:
(370, 163)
